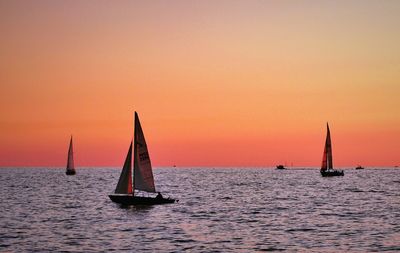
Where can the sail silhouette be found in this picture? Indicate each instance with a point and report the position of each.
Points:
(70, 160)
(327, 159)
(143, 180)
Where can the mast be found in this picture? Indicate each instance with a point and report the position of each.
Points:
(327, 155)
(328, 138)
(70, 161)
(329, 149)
(134, 155)
(131, 176)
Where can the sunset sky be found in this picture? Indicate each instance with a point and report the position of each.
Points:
(215, 83)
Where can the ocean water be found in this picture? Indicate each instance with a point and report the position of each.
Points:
(219, 210)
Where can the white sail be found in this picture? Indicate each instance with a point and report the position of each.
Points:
(143, 173)
(124, 185)
(70, 160)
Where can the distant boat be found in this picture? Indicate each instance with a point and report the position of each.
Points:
(143, 179)
(327, 162)
(280, 167)
(70, 162)
(359, 167)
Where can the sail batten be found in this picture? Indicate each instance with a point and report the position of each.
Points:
(143, 173)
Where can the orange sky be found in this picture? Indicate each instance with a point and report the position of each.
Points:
(215, 83)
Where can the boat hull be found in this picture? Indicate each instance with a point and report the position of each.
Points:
(332, 173)
(70, 172)
(138, 200)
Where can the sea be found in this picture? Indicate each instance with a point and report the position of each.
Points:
(219, 210)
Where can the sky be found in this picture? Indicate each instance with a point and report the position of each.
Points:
(215, 83)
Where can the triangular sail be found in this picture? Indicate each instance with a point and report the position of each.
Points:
(143, 173)
(327, 163)
(124, 185)
(70, 160)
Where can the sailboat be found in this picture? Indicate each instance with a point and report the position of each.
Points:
(327, 162)
(280, 167)
(70, 161)
(143, 179)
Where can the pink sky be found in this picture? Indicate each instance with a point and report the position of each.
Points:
(226, 83)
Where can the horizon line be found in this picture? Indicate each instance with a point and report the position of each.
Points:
(194, 167)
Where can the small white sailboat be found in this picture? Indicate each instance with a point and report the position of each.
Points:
(327, 162)
(143, 179)
(70, 161)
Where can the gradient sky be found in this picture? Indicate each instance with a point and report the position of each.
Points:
(215, 83)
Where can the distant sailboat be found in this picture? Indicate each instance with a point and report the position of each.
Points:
(70, 162)
(327, 162)
(143, 179)
(280, 167)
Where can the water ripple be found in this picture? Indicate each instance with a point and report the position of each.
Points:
(220, 210)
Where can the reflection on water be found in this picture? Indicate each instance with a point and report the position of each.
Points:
(221, 210)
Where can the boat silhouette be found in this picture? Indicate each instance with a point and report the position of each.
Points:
(143, 180)
(327, 161)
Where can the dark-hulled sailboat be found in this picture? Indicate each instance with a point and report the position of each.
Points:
(327, 162)
(70, 161)
(143, 179)
(280, 167)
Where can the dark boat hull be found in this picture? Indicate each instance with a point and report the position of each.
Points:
(138, 200)
(332, 173)
(70, 172)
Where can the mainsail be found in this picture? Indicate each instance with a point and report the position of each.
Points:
(124, 185)
(70, 161)
(327, 163)
(143, 174)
